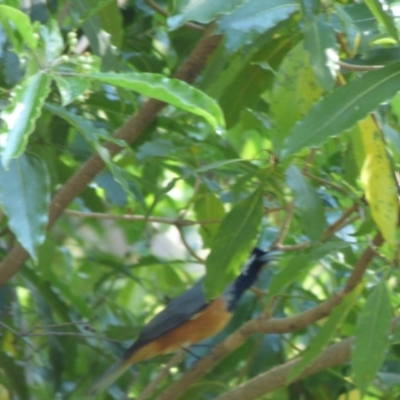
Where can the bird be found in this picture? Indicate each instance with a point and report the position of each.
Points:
(186, 320)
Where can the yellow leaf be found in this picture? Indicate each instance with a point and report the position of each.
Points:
(353, 395)
(4, 393)
(378, 180)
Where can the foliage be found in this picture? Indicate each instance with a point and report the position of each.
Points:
(136, 139)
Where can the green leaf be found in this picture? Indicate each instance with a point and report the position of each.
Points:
(85, 12)
(300, 263)
(156, 148)
(171, 91)
(11, 18)
(71, 87)
(15, 374)
(208, 207)
(306, 199)
(21, 114)
(326, 333)
(204, 11)
(52, 40)
(253, 18)
(296, 81)
(383, 17)
(344, 107)
(372, 337)
(25, 197)
(94, 136)
(232, 244)
(320, 38)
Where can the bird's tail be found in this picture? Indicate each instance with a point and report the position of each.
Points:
(109, 377)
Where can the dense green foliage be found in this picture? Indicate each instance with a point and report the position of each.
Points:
(281, 131)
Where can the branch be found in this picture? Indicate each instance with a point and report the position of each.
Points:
(277, 377)
(270, 325)
(128, 217)
(129, 132)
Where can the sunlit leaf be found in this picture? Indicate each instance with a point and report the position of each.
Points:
(21, 114)
(344, 107)
(200, 11)
(301, 88)
(378, 180)
(171, 91)
(11, 18)
(383, 17)
(208, 207)
(252, 18)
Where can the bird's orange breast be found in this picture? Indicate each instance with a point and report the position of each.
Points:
(202, 325)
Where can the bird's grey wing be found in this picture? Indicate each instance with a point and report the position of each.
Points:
(178, 311)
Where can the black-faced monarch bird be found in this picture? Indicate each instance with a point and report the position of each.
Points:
(188, 319)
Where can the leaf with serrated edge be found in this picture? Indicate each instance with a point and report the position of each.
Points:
(25, 197)
(344, 107)
(21, 22)
(378, 180)
(232, 243)
(326, 333)
(254, 17)
(171, 91)
(203, 11)
(20, 116)
(372, 337)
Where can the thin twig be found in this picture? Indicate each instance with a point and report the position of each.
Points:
(56, 333)
(285, 226)
(339, 223)
(187, 246)
(128, 217)
(325, 182)
(360, 68)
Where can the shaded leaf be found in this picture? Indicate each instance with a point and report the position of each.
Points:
(372, 337)
(378, 180)
(319, 39)
(344, 107)
(25, 197)
(306, 199)
(171, 91)
(20, 116)
(325, 335)
(200, 11)
(232, 243)
(253, 18)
